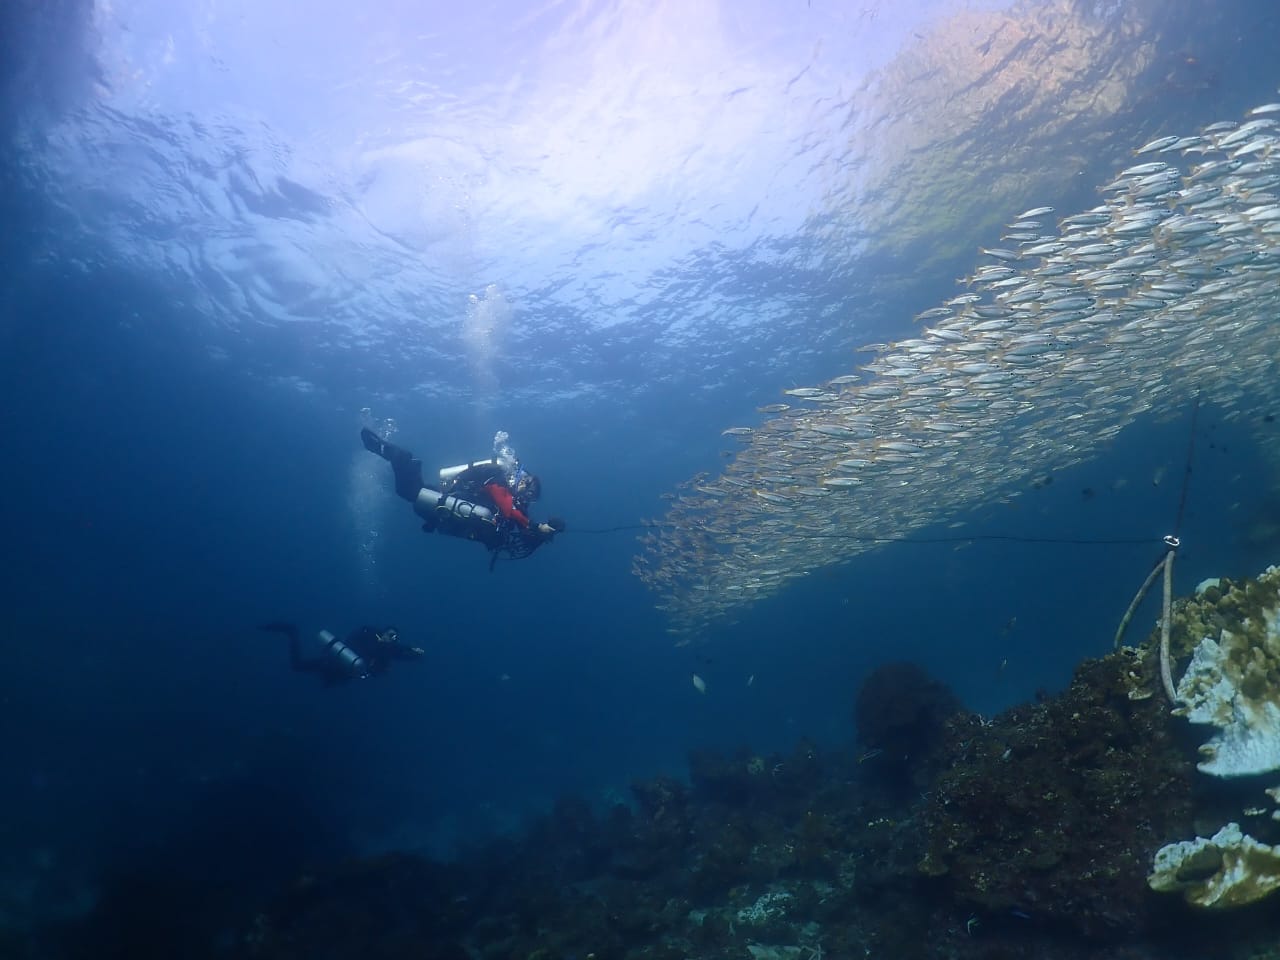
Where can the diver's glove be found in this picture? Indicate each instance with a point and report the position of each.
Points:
(553, 526)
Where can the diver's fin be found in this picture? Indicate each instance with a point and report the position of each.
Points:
(408, 469)
(373, 443)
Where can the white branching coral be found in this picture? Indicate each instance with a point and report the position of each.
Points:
(1232, 684)
(1228, 869)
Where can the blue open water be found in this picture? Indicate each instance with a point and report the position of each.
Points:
(228, 231)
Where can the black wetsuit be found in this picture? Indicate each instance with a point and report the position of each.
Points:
(499, 534)
(357, 656)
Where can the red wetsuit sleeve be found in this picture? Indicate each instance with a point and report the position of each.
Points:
(502, 497)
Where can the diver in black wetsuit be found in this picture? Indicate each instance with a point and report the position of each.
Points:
(487, 501)
(366, 652)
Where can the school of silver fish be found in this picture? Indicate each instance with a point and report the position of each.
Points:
(1170, 286)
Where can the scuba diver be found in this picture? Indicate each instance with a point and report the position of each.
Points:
(486, 500)
(364, 653)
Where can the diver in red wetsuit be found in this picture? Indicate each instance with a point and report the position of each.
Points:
(487, 501)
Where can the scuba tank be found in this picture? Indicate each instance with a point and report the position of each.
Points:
(448, 473)
(458, 515)
(430, 501)
(503, 456)
(351, 661)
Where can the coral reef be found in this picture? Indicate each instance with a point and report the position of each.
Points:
(1031, 839)
(940, 834)
(1230, 869)
(899, 715)
(384, 908)
(1231, 683)
(1051, 811)
(1233, 680)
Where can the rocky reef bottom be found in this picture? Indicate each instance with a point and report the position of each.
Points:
(940, 834)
